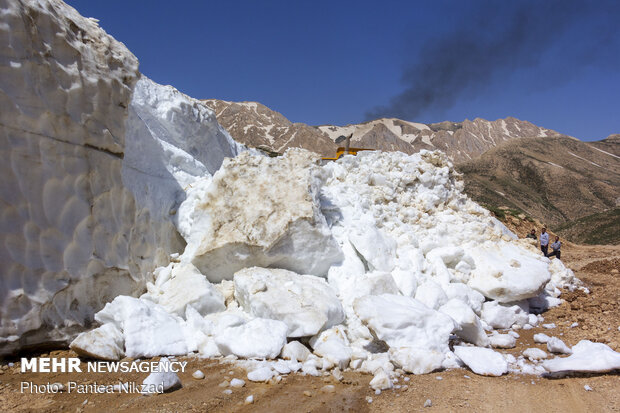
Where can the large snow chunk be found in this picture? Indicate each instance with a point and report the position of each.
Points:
(416, 360)
(187, 287)
(466, 294)
(507, 272)
(103, 343)
(405, 322)
(162, 380)
(431, 294)
(306, 303)
(587, 357)
(258, 338)
(381, 381)
(333, 346)
(562, 277)
(147, 328)
(502, 340)
(503, 316)
(264, 212)
(377, 249)
(483, 361)
(555, 345)
(296, 351)
(471, 328)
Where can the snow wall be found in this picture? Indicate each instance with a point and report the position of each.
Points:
(95, 160)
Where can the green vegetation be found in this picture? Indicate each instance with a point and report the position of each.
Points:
(595, 229)
(502, 212)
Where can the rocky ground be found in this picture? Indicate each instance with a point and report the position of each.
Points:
(597, 315)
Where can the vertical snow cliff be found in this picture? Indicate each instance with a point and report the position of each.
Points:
(94, 162)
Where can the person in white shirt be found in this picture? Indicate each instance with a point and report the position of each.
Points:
(544, 241)
(556, 248)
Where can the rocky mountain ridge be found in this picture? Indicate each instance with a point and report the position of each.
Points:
(510, 163)
(256, 125)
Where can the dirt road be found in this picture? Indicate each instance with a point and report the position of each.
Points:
(597, 315)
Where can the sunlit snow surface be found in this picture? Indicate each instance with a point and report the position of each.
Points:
(408, 263)
(115, 186)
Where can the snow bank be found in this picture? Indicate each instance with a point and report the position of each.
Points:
(95, 163)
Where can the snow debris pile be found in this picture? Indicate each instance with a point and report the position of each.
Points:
(376, 262)
(115, 186)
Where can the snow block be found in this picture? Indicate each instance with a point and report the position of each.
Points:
(148, 330)
(258, 338)
(506, 272)
(470, 327)
(405, 322)
(306, 303)
(103, 343)
(186, 287)
(263, 212)
(483, 361)
(587, 357)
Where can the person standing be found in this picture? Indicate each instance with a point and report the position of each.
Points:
(531, 235)
(544, 241)
(556, 248)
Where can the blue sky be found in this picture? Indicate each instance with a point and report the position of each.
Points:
(336, 62)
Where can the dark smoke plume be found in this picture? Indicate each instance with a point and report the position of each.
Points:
(495, 43)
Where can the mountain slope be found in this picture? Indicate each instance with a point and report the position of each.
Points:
(600, 228)
(505, 163)
(258, 126)
(555, 179)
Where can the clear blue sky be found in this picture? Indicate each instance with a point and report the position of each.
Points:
(335, 62)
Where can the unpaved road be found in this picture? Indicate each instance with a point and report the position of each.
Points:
(597, 314)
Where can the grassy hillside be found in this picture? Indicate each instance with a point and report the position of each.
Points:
(600, 228)
(561, 182)
(556, 180)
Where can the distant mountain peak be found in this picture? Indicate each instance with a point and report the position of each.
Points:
(256, 125)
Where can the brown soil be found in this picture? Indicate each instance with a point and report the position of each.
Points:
(596, 313)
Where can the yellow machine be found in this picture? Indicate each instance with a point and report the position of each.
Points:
(341, 151)
(346, 150)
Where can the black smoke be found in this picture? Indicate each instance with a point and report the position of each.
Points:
(499, 38)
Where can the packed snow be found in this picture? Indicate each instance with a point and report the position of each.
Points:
(96, 161)
(586, 357)
(144, 216)
(355, 258)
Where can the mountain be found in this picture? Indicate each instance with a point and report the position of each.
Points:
(508, 163)
(258, 126)
(555, 179)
